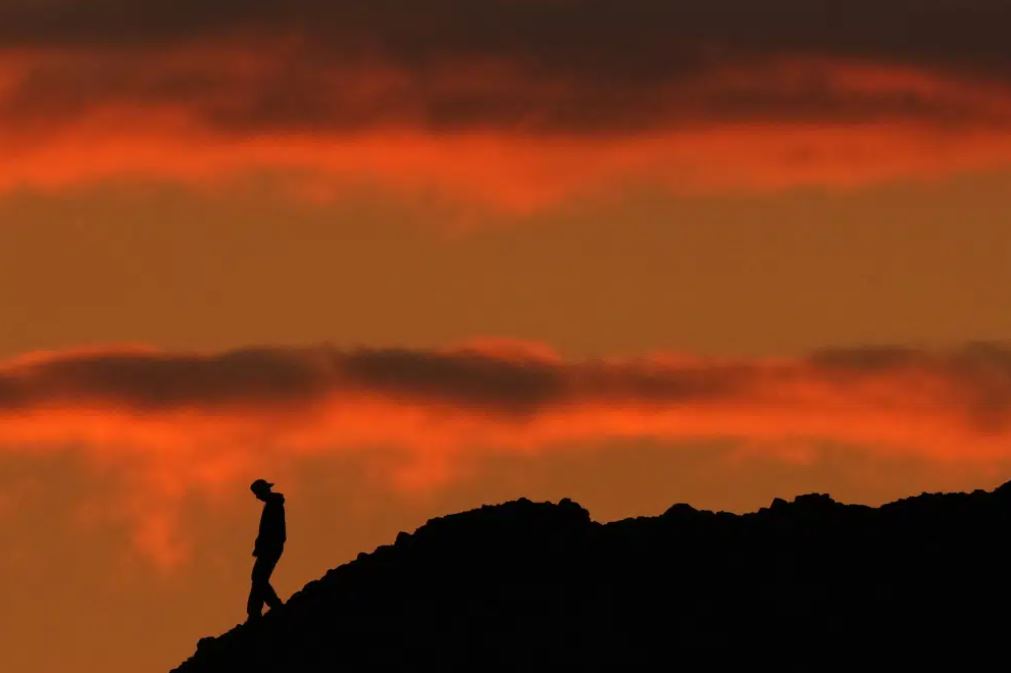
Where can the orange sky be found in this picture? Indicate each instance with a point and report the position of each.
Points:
(406, 259)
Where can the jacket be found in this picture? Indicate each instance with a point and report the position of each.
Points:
(271, 536)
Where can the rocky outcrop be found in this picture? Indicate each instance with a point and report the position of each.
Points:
(808, 585)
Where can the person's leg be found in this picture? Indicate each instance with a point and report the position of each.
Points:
(268, 594)
(271, 598)
(263, 570)
(260, 577)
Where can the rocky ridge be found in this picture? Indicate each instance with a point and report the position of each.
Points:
(807, 585)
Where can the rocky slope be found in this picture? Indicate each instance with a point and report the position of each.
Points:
(808, 585)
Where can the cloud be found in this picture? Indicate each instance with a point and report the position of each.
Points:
(479, 379)
(639, 40)
(517, 103)
(174, 424)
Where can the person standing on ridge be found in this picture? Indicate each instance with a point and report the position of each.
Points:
(267, 549)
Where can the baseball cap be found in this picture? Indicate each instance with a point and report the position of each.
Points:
(260, 485)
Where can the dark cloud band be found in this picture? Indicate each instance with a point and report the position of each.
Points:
(641, 38)
(976, 378)
(534, 66)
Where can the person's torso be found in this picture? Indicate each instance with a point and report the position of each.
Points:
(272, 528)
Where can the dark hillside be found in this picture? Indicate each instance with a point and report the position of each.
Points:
(810, 585)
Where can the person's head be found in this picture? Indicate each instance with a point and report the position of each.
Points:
(261, 488)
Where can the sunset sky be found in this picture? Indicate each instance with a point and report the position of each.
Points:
(405, 258)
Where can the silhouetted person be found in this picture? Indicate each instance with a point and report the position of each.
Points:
(267, 549)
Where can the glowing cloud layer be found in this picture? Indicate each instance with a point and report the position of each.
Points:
(519, 104)
(178, 424)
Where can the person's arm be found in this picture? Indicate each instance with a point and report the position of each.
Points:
(259, 536)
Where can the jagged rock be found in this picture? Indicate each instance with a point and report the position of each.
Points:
(808, 585)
